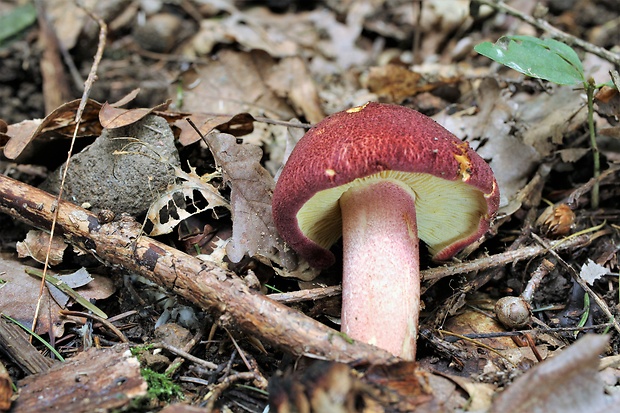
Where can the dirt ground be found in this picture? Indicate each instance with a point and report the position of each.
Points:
(166, 238)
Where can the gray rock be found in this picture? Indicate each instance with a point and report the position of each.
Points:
(122, 182)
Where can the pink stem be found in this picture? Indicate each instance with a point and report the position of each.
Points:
(381, 284)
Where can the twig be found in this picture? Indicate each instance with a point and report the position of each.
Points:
(65, 289)
(575, 275)
(101, 320)
(263, 119)
(250, 363)
(182, 353)
(537, 276)
(530, 331)
(433, 275)
(103, 31)
(225, 383)
(306, 295)
(477, 343)
(555, 32)
(584, 188)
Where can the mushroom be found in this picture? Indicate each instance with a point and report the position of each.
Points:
(382, 176)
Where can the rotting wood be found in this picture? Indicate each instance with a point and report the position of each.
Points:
(14, 343)
(206, 285)
(94, 380)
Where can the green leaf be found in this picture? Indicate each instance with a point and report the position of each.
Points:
(545, 59)
(17, 20)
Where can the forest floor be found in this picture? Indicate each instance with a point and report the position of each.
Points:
(177, 116)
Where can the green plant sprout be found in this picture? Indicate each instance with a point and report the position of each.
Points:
(555, 62)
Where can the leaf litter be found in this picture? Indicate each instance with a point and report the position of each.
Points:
(250, 63)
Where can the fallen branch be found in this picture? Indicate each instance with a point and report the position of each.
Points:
(206, 285)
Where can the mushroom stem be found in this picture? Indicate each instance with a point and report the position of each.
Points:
(381, 284)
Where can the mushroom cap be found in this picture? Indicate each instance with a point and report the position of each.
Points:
(456, 192)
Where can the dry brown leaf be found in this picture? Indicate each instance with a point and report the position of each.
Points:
(251, 186)
(112, 117)
(36, 244)
(544, 119)
(290, 79)
(234, 83)
(59, 122)
(236, 125)
(126, 99)
(21, 134)
(567, 383)
(395, 82)
(401, 386)
(479, 394)
(68, 19)
(256, 28)
(572, 154)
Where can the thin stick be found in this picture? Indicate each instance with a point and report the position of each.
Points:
(575, 275)
(435, 274)
(103, 31)
(101, 320)
(182, 353)
(530, 331)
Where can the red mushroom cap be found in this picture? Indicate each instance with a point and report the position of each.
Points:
(456, 193)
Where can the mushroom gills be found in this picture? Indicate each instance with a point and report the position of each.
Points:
(447, 211)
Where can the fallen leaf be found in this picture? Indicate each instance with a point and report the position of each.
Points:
(181, 201)
(68, 19)
(235, 83)
(237, 125)
(543, 120)
(291, 79)
(401, 386)
(335, 387)
(572, 154)
(399, 83)
(36, 245)
(567, 383)
(74, 280)
(20, 294)
(59, 122)
(112, 117)
(250, 199)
